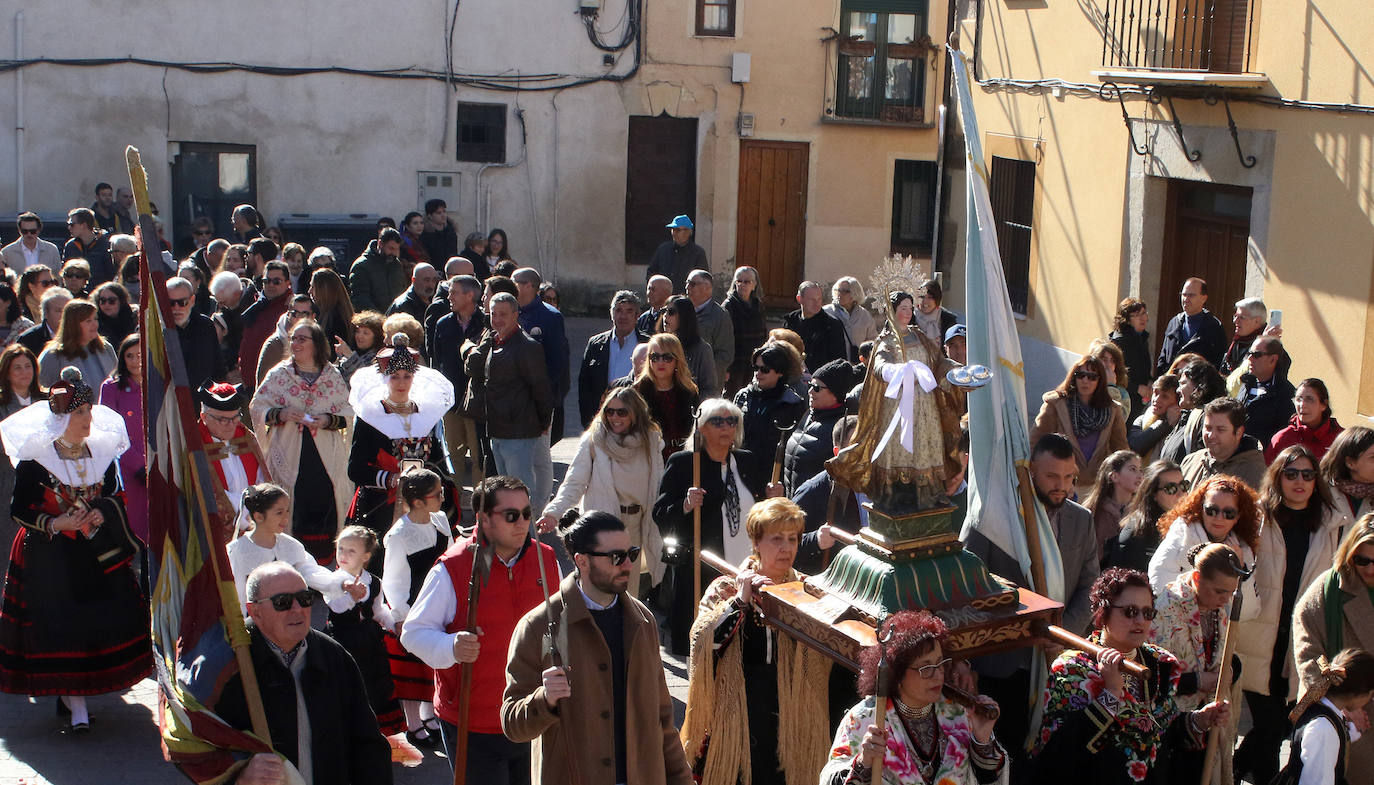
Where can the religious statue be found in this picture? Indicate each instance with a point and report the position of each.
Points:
(905, 446)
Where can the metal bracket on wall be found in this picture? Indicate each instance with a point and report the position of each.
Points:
(1247, 161)
(1107, 92)
(1156, 98)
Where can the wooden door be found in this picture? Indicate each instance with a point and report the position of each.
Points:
(660, 181)
(771, 218)
(1207, 231)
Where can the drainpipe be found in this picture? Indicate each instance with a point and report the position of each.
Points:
(19, 112)
(482, 205)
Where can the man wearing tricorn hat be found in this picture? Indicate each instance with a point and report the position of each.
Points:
(234, 453)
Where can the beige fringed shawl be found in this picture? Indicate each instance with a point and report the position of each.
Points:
(717, 701)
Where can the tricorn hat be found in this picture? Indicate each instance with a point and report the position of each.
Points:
(221, 396)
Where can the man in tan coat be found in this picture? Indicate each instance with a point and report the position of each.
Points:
(606, 710)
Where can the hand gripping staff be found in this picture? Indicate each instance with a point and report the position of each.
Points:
(1228, 644)
(481, 566)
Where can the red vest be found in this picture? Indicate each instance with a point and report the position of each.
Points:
(508, 594)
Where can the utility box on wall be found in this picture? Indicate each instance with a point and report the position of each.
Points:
(438, 185)
(739, 67)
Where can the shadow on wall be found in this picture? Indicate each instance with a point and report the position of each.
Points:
(1046, 365)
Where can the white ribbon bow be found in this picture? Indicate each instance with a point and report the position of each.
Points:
(901, 386)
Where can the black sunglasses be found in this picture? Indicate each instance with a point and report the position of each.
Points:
(762, 369)
(618, 557)
(107, 300)
(28, 231)
(1172, 488)
(655, 357)
(816, 387)
(1132, 611)
(1361, 561)
(1229, 513)
(721, 421)
(1307, 475)
(512, 515)
(180, 302)
(616, 411)
(1089, 375)
(274, 281)
(282, 602)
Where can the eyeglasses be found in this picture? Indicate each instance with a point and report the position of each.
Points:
(1091, 376)
(28, 231)
(225, 420)
(1229, 513)
(722, 421)
(931, 671)
(45, 282)
(763, 369)
(75, 274)
(512, 515)
(1308, 475)
(301, 314)
(1133, 611)
(816, 387)
(1257, 354)
(179, 302)
(282, 602)
(845, 291)
(655, 357)
(107, 300)
(274, 281)
(616, 411)
(1172, 488)
(618, 557)
(1361, 561)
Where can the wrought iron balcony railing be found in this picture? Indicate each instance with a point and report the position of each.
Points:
(1178, 35)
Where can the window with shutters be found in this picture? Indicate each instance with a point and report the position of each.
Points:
(1163, 35)
(883, 58)
(1012, 192)
(913, 207)
(716, 17)
(481, 133)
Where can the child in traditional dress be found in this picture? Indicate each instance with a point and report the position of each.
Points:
(413, 544)
(270, 508)
(1324, 730)
(360, 625)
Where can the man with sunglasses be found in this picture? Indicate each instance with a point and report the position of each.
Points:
(196, 335)
(260, 319)
(30, 248)
(1227, 448)
(435, 629)
(605, 707)
(1266, 391)
(312, 693)
(89, 243)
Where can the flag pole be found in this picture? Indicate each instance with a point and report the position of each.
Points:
(153, 295)
(1037, 560)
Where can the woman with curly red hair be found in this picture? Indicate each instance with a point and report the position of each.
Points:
(926, 739)
(1103, 724)
(1221, 509)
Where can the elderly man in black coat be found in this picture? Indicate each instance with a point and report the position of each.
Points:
(823, 335)
(196, 335)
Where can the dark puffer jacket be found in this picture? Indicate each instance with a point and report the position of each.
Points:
(751, 330)
(811, 445)
(765, 411)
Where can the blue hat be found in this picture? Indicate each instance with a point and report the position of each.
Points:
(956, 331)
(681, 222)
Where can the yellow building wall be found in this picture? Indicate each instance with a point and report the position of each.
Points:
(1314, 254)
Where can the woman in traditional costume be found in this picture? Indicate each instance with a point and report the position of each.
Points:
(301, 413)
(1104, 724)
(926, 739)
(73, 622)
(398, 402)
(905, 446)
(756, 700)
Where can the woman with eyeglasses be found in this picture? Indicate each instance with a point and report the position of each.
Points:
(77, 343)
(301, 414)
(114, 315)
(73, 622)
(616, 469)
(1117, 480)
(1298, 539)
(1221, 509)
(13, 323)
(498, 251)
(123, 392)
(18, 388)
(1082, 410)
(1312, 426)
(1199, 384)
(666, 386)
(756, 699)
(1192, 625)
(927, 739)
(398, 403)
(1161, 486)
(751, 331)
(769, 403)
(731, 480)
(1103, 724)
(1337, 612)
(680, 319)
(1348, 467)
(33, 282)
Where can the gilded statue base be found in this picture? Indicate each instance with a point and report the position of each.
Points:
(901, 562)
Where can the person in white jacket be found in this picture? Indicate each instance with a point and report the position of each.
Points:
(1222, 509)
(270, 508)
(617, 468)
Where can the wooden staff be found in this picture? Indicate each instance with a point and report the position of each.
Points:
(1228, 643)
(696, 524)
(1037, 559)
(1070, 641)
(460, 746)
(883, 691)
(780, 452)
(156, 294)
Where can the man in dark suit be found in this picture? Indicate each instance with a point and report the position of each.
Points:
(1006, 677)
(823, 335)
(300, 671)
(608, 355)
(54, 300)
(463, 323)
(1194, 329)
